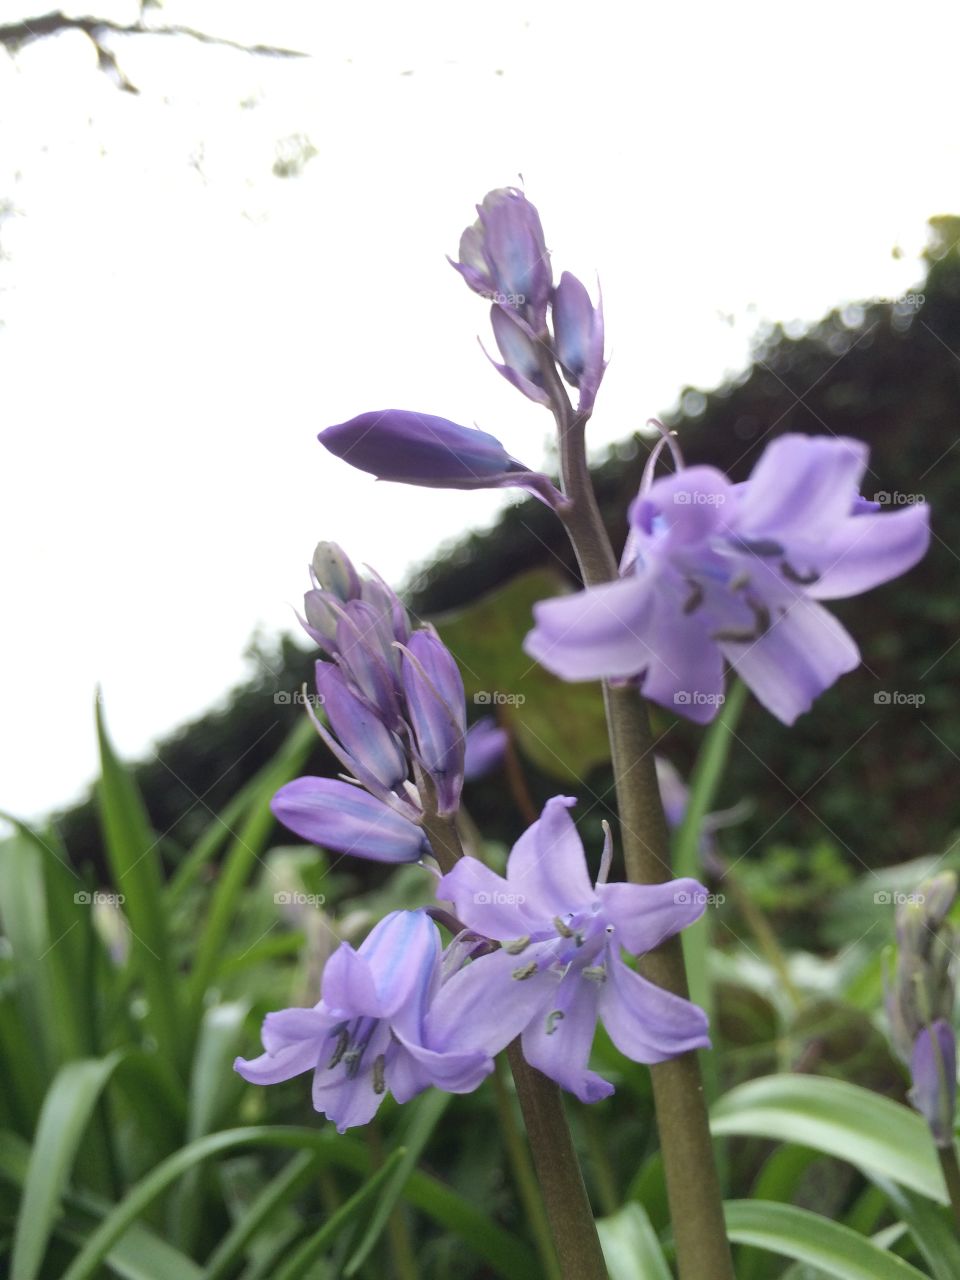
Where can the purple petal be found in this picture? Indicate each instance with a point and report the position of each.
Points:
(415, 1068)
(352, 1099)
(402, 952)
(644, 915)
(362, 734)
(519, 351)
(870, 549)
(348, 987)
(646, 1023)
(485, 746)
(272, 1068)
(803, 486)
(344, 818)
(594, 633)
(578, 333)
(487, 903)
(547, 865)
(934, 1071)
(436, 713)
(802, 653)
(558, 1041)
(484, 1006)
(422, 449)
(286, 1027)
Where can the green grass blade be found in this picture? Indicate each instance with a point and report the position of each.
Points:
(245, 849)
(291, 1179)
(929, 1225)
(132, 849)
(306, 1254)
(424, 1118)
(839, 1119)
(509, 1257)
(66, 1111)
(807, 1237)
(630, 1246)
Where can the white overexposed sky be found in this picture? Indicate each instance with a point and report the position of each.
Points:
(178, 322)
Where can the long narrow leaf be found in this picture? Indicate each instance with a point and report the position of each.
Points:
(630, 1246)
(818, 1242)
(66, 1111)
(840, 1119)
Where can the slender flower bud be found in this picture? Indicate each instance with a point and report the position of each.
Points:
(334, 570)
(933, 1066)
(344, 818)
(436, 714)
(369, 744)
(421, 449)
(504, 257)
(578, 338)
(519, 350)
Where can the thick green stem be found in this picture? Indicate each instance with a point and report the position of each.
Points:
(565, 1197)
(693, 1189)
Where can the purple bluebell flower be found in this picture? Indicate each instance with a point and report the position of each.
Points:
(367, 1034)
(504, 257)
(520, 353)
(486, 745)
(578, 338)
(345, 818)
(715, 571)
(933, 1067)
(559, 967)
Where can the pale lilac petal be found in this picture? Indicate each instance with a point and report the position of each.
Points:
(402, 952)
(415, 1068)
(791, 664)
(348, 986)
(351, 1100)
(339, 816)
(547, 865)
(688, 506)
(485, 746)
(645, 914)
(803, 486)
(646, 1023)
(484, 1006)
(272, 1068)
(681, 665)
(361, 733)
(596, 633)
(558, 1042)
(486, 902)
(289, 1026)
(871, 549)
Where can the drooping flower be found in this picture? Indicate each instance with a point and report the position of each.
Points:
(559, 967)
(715, 571)
(422, 449)
(504, 257)
(367, 1034)
(396, 720)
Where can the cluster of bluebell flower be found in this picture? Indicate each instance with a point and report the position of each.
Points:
(712, 573)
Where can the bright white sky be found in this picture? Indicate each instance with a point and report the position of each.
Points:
(178, 323)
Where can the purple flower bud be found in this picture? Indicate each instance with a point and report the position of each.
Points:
(418, 448)
(370, 747)
(503, 256)
(519, 350)
(578, 338)
(485, 747)
(436, 714)
(934, 1070)
(341, 817)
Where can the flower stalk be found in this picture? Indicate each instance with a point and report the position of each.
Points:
(693, 1187)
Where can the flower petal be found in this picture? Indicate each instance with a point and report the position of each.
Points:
(803, 652)
(486, 902)
(870, 549)
(484, 1006)
(558, 1042)
(402, 952)
(547, 866)
(594, 633)
(645, 914)
(646, 1023)
(342, 817)
(802, 486)
(271, 1068)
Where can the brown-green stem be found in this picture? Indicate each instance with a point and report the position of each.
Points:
(555, 1159)
(693, 1188)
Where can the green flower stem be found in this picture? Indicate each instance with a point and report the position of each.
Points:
(693, 1188)
(569, 1213)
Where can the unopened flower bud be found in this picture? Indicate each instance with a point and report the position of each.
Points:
(578, 338)
(334, 571)
(934, 1069)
